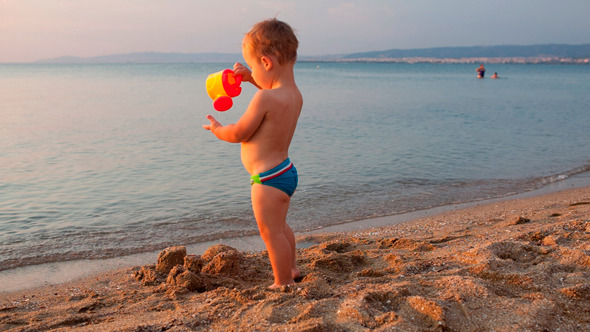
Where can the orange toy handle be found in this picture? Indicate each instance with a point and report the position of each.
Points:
(231, 83)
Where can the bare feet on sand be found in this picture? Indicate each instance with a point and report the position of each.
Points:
(297, 277)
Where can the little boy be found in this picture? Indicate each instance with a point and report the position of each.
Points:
(265, 131)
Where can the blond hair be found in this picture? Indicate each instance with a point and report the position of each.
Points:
(273, 37)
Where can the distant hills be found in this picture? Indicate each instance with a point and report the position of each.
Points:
(546, 53)
(148, 57)
(503, 51)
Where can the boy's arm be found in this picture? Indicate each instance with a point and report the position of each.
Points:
(240, 69)
(246, 126)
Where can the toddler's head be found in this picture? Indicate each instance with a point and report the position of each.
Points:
(272, 37)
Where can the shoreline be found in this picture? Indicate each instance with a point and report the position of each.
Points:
(34, 276)
(457, 268)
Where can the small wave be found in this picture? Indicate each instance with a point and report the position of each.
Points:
(565, 175)
(391, 196)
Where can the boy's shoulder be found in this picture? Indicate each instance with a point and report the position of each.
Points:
(278, 97)
(266, 97)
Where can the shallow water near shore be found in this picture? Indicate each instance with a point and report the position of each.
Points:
(103, 161)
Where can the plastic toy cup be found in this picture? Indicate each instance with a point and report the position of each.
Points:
(222, 87)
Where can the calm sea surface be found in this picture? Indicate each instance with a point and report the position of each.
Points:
(100, 161)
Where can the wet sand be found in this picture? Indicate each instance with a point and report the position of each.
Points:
(513, 265)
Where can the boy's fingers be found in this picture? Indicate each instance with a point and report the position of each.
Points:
(240, 69)
(213, 121)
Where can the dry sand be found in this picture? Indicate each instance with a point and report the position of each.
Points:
(518, 265)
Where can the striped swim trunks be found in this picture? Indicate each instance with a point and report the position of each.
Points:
(283, 177)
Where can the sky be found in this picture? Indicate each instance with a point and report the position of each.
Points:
(31, 30)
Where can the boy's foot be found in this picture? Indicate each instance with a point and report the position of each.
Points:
(280, 287)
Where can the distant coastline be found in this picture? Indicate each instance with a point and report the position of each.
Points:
(515, 60)
(533, 54)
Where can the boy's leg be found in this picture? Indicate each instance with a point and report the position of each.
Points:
(270, 207)
(291, 237)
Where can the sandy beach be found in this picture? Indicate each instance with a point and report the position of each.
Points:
(514, 265)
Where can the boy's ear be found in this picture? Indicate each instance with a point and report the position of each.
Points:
(266, 62)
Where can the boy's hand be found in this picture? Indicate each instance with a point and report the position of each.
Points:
(240, 69)
(214, 123)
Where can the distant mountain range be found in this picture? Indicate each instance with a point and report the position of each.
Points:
(503, 51)
(148, 57)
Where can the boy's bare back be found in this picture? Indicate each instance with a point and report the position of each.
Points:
(269, 144)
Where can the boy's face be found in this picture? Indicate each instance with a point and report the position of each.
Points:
(255, 64)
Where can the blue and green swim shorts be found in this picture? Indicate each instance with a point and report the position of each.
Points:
(283, 177)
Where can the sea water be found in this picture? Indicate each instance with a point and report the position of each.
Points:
(101, 161)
